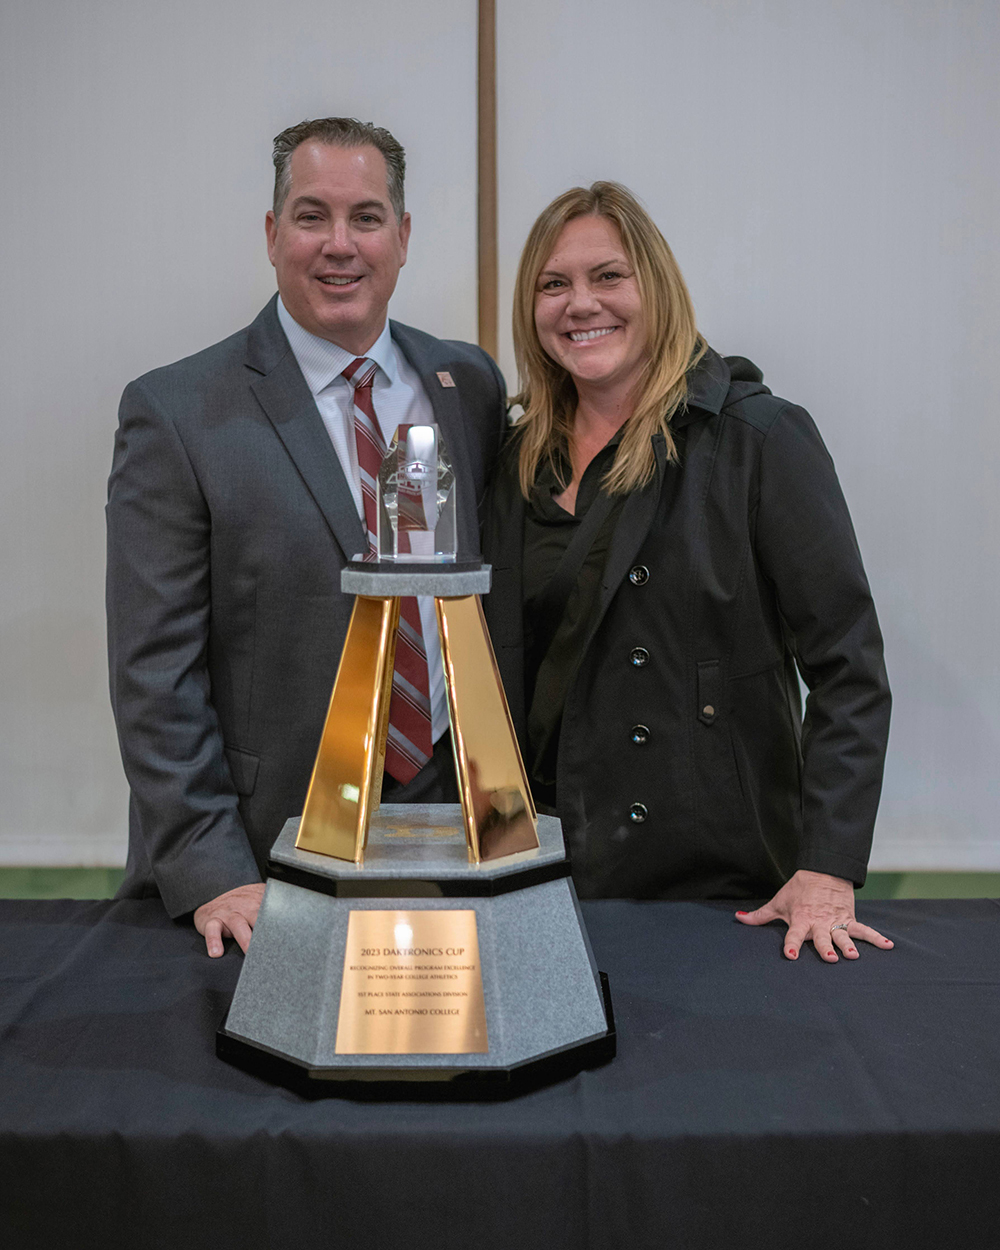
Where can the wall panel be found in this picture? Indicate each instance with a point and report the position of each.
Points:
(827, 174)
(136, 149)
(829, 178)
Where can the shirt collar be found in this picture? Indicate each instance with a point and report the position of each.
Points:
(547, 483)
(322, 361)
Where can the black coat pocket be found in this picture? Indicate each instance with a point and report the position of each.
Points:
(709, 690)
(243, 768)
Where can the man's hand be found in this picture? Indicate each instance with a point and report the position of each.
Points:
(232, 914)
(820, 909)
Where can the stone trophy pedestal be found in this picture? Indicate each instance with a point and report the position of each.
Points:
(547, 1008)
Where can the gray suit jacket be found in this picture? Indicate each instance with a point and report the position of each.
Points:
(229, 521)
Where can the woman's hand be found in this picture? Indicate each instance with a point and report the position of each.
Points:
(820, 909)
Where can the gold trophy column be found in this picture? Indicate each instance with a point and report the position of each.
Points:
(347, 776)
(497, 808)
(499, 813)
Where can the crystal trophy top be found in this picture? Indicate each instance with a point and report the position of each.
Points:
(416, 499)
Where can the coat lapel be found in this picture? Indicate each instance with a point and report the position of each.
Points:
(282, 393)
(708, 385)
(634, 523)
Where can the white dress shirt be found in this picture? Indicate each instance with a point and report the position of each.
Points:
(399, 398)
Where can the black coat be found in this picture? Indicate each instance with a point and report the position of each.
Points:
(736, 566)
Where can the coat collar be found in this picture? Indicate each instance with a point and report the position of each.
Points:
(708, 386)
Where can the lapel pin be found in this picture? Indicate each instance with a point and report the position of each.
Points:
(446, 379)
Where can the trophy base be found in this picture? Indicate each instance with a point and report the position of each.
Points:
(422, 1084)
(497, 991)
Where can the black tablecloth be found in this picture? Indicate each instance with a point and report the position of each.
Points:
(754, 1102)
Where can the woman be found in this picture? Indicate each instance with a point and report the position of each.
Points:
(670, 546)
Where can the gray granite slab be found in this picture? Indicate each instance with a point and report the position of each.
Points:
(540, 984)
(425, 839)
(417, 580)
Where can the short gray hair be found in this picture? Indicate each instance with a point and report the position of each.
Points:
(340, 132)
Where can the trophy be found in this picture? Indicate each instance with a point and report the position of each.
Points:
(416, 499)
(404, 942)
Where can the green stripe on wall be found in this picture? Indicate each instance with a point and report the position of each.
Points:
(931, 885)
(103, 882)
(60, 882)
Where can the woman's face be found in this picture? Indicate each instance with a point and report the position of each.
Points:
(588, 314)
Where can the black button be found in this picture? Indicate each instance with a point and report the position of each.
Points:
(639, 656)
(640, 735)
(637, 813)
(639, 576)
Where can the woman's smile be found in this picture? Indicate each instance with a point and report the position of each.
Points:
(589, 336)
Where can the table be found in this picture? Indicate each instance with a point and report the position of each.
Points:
(754, 1102)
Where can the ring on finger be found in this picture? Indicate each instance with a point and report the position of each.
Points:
(834, 928)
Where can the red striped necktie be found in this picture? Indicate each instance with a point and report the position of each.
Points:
(409, 745)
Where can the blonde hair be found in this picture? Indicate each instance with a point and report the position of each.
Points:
(548, 394)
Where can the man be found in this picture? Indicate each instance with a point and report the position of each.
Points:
(235, 500)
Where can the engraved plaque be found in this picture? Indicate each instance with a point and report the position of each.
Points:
(412, 985)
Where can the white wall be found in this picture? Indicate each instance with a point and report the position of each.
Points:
(826, 171)
(828, 174)
(136, 154)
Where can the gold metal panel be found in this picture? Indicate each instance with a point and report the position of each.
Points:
(347, 776)
(412, 985)
(500, 817)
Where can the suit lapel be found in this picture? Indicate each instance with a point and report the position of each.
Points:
(282, 393)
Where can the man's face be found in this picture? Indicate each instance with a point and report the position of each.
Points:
(337, 247)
